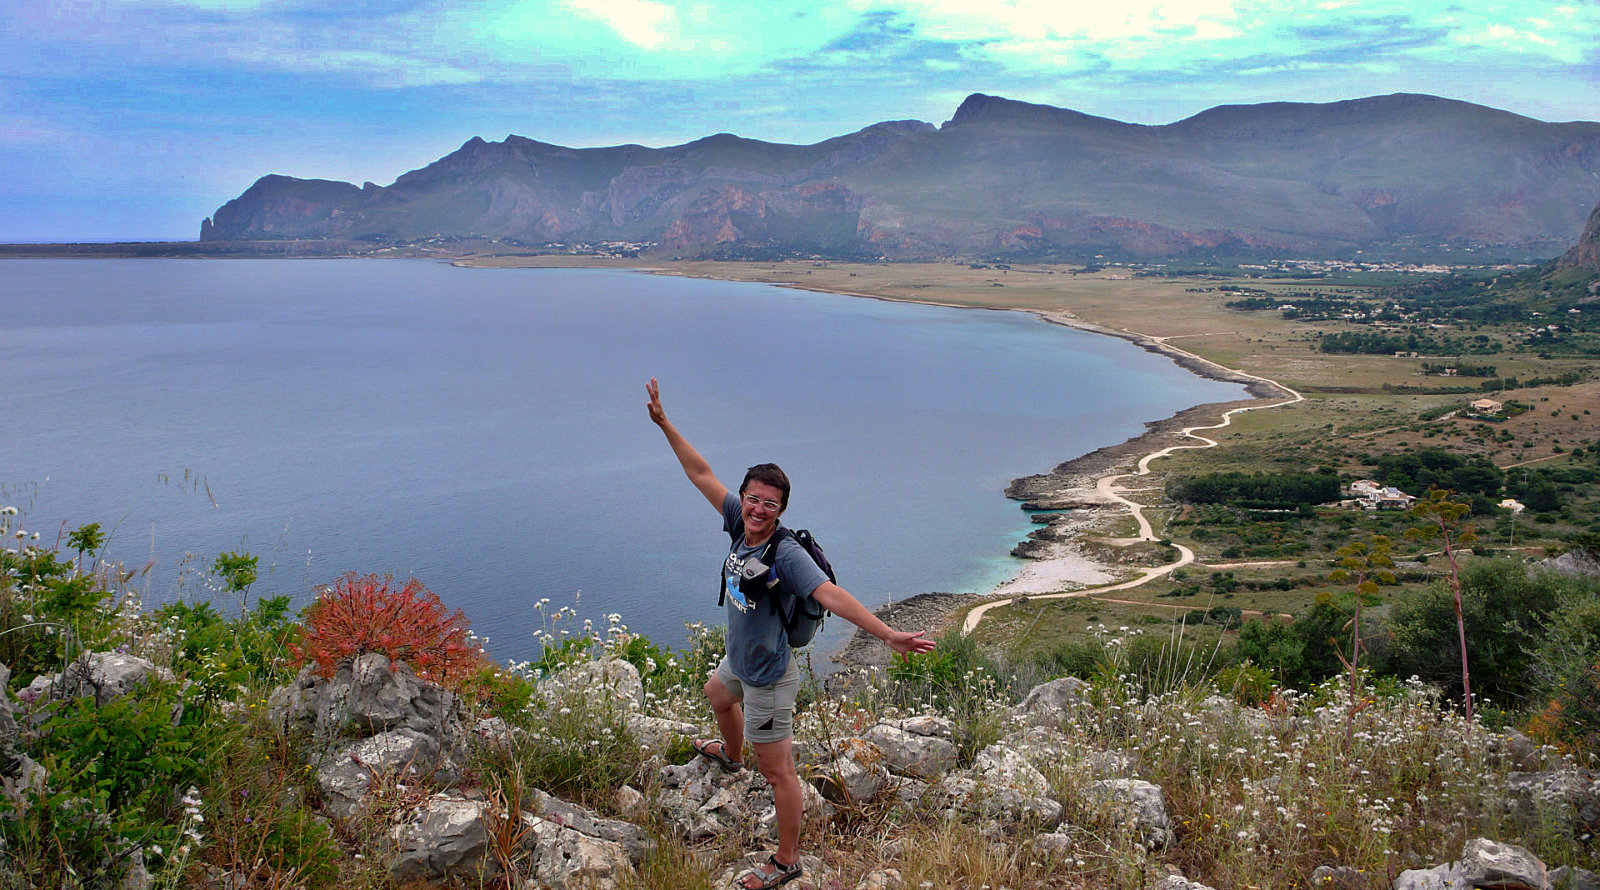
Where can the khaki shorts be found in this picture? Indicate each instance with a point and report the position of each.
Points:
(768, 710)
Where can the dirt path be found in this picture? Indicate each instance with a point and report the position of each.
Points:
(1107, 487)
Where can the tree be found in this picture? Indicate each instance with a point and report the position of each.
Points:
(1364, 565)
(1445, 521)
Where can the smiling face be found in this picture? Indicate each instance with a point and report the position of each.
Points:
(761, 504)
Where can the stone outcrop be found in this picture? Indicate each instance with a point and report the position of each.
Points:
(375, 723)
(379, 725)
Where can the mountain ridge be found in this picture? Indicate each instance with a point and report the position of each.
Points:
(999, 178)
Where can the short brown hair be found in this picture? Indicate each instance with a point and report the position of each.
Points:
(770, 474)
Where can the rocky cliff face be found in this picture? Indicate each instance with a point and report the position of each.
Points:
(999, 178)
(1586, 253)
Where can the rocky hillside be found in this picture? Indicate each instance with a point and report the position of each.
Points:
(1586, 253)
(1000, 178)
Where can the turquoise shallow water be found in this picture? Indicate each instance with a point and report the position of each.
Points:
(485, 430)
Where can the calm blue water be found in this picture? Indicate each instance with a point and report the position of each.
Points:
(485, 431)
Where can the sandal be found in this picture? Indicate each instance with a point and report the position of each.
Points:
(720, 755)
(770, 874)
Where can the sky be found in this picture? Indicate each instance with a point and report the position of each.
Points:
(136, 119)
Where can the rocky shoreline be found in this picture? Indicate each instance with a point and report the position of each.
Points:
(1070, 486)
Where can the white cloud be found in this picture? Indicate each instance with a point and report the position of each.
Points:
(643, 23)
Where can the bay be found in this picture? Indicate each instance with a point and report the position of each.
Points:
(484, 430)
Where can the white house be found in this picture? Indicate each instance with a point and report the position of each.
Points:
(1374, 496)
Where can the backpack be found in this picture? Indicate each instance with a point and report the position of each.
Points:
(802, 617)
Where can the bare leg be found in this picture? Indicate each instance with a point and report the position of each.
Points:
(776, 760)
(730, 718)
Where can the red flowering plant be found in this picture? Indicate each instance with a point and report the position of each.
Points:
(358, 614)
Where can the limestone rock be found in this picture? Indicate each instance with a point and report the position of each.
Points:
(102, 675)
(1178, 882)
(1054, 845)
(856, 772)
(25, 776)
(965, 794)
(632, 838)
(1138, 805)
(700, 800)
(659, 733)
(1001, 766)
(347, 776)
(366, 697)
(927, 725)
(632, 803)
(1483, 863)
(447, 835)
(907, 753)
(1048, 703)
(1486, 863)
(564, 857)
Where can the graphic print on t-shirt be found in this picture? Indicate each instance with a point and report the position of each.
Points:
(732, 570)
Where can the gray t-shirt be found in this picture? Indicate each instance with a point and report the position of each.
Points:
(758, 646)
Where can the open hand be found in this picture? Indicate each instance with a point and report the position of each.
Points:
(910, 643)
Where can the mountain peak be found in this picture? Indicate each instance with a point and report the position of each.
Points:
(980, 108)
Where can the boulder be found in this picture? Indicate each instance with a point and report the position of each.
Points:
(1056, 846)
(635, 840)
(1486, 863)
(1000, 766)
(22, 778)
(347, 776)
(388, 695)
(853, 771)
(104, 676)
(910, 754)
(368, 696)
(565, 858)
(1138, 805)
(928, 725)
(658, 733)
(963, 794)
(1048, 703)
(452, 837)
(1483, 863)
(882, 879)
(447, 835)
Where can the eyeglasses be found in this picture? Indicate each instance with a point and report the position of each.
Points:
(754, 501)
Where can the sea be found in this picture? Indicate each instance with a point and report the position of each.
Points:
(484, 430)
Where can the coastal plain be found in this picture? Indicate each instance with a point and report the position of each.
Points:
(1355, 409)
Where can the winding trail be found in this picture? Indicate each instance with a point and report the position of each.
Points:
(1107, 486)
